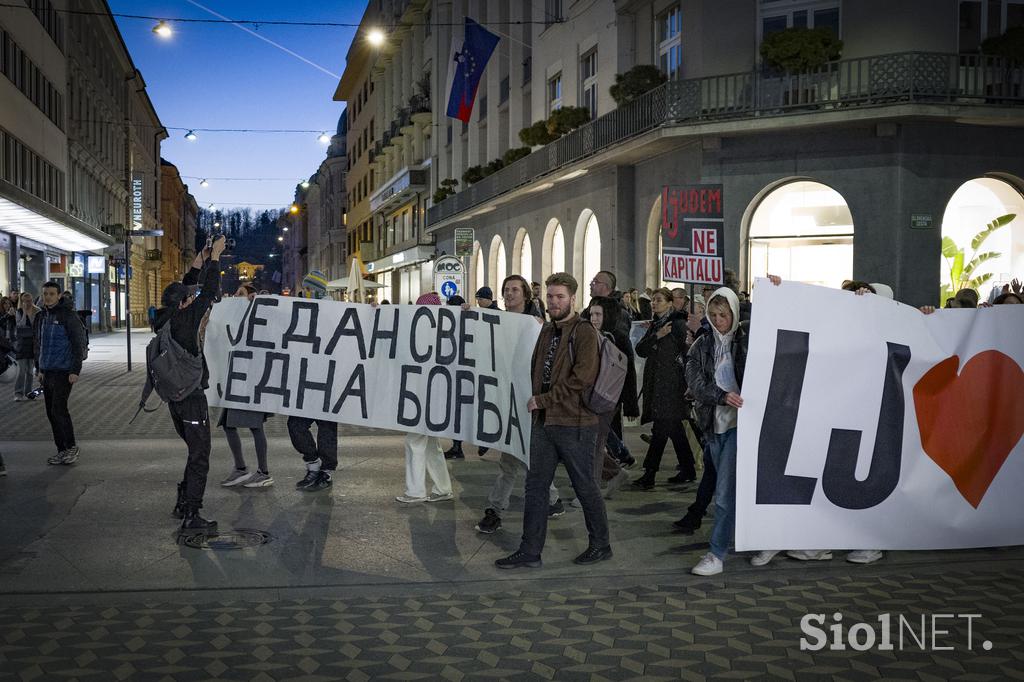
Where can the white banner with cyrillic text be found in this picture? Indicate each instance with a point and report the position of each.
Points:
(869, 425)
(435, 370)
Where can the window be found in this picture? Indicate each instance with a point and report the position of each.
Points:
(483, 108)
(503, 91)
(555, 92)
(778, 15)
(552, 11)
(527, 69)
(670, 49)
(588, 82)
(981, 19)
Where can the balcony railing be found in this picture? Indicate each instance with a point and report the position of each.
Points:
(909, 77)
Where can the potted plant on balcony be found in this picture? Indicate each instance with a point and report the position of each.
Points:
(536, 135)
(445, 189)
(635, 82)
(419, 102)
(797, 56)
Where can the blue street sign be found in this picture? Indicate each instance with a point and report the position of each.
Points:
(449, 289)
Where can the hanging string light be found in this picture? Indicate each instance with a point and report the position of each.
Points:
(204, 183)
(190, 136)
(163, 29)
(324, 138)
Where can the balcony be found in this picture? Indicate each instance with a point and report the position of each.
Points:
(924, 78)
(153, 254)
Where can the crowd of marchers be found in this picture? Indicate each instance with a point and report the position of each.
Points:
(683, 378)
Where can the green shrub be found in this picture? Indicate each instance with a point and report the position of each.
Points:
(1009, 45)
(536, 135)
(635, 82)
(801, 49)
(514, 154)
(445, 189)
(473, 174)
(567, 119)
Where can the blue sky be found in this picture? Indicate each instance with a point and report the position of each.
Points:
(219, 76)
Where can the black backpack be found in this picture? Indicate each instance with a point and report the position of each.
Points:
(171, 371)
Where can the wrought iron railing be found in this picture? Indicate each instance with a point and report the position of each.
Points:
(908, 77)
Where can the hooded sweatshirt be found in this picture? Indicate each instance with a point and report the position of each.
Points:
(725, 371)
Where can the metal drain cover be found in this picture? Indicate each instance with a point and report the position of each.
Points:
(236, 538)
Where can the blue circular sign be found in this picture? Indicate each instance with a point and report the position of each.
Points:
(449, 289)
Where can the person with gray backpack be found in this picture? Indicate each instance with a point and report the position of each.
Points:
(176, 370)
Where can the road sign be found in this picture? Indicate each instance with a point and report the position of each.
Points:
(147, 233)
(449, 277)
(464, 238)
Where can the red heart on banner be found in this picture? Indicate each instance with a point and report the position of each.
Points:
(970, 422)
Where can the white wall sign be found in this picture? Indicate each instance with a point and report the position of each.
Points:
(868, 425)
(137, 202)
(436, 370)
(449, 277)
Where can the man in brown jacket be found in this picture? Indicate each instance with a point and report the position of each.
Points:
(565, 365)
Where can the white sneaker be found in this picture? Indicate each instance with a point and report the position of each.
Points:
(439, 497)
(236, 477)
(18, 398)
(259, 480)
(864, 556)
(763, 558)
(810, 554)
(708, 565)
(409, 499)
(615, 483)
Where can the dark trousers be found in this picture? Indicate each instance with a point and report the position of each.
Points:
(663, 431)
(191, 418)
(574, 448)
(706, 489)
(324, 448)
(56, 389)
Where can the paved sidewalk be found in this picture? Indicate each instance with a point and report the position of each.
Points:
(352, 585)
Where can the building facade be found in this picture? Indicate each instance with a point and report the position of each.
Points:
(178, 214)
(41, 236)
(857, 169)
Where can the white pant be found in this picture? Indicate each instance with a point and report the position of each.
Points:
(423, 456)
(501, 492)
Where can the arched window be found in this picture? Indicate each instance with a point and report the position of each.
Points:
(802, 231)
(497, 265)
(553, 256)
(522, 255)
(973, 206)
(478, 271)
(591, 256)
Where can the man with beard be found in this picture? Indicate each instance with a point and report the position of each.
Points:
(565, 364)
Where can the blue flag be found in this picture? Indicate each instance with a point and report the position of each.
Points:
(470, 61)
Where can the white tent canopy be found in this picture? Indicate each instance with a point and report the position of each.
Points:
(343, 284)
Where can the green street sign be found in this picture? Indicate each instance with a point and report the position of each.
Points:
(464, 238)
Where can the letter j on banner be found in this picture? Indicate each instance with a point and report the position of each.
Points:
(692, 239)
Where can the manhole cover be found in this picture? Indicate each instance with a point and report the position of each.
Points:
(236, 538)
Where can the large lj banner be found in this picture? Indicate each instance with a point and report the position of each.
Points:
(868, 425)
(435, 370)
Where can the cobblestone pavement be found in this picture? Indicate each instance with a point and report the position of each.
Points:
(736, 629)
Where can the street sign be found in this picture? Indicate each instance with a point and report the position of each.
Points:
(464, 238)
(449, 277)
(921, 221)
(692, 234)
(76, 269)
(147, 233)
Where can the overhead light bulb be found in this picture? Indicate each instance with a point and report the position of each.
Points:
(211, 207)
(285, 228)
(204, 183)
(305, 184)
(294, 209)
(216, 224)
(280, 239)
(324, 138)
(375, 37)
(190, 136)
(163, 29)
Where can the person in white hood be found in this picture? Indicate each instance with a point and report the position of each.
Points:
(714, 375)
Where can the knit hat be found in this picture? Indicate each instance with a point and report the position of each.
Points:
(485, 292)
(456, 300)
(316, 282)
(173, 295)
(429, 299)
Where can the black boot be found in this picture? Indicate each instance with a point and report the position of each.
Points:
(179, 505)
(194, 523)
(454, 452)
(645, 482)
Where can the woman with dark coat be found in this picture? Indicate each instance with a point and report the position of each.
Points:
(664, 390)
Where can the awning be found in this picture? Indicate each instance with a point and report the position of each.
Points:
(417, 254)
(26, 216)
(342, 284)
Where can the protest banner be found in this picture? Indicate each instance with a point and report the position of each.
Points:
(692, 234)
(869, 425)
(435, 370)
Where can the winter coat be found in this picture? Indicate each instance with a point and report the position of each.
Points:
(664, 383)
(700, 369)
(60, 343)
(24, 335)
(563, 402)
(186, 323)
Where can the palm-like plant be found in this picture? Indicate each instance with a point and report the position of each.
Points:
(962, 269)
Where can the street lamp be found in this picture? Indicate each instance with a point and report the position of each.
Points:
(285, 229)
(304, 184)
(163, 29)
(190, 136)
(324, 138)
(293, 209)
(280, 239)
(375, 37)
(204, 183)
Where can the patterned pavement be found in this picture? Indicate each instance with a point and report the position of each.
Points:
(701, 630)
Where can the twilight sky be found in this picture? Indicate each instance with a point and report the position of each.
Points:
(219, 76)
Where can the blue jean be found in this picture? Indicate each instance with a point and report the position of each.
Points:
(574, 448)
(722, 449)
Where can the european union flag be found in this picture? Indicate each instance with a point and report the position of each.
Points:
(477, 47)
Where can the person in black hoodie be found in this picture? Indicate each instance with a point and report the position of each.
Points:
(185, 311)
(60, 347)
(664, 390)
